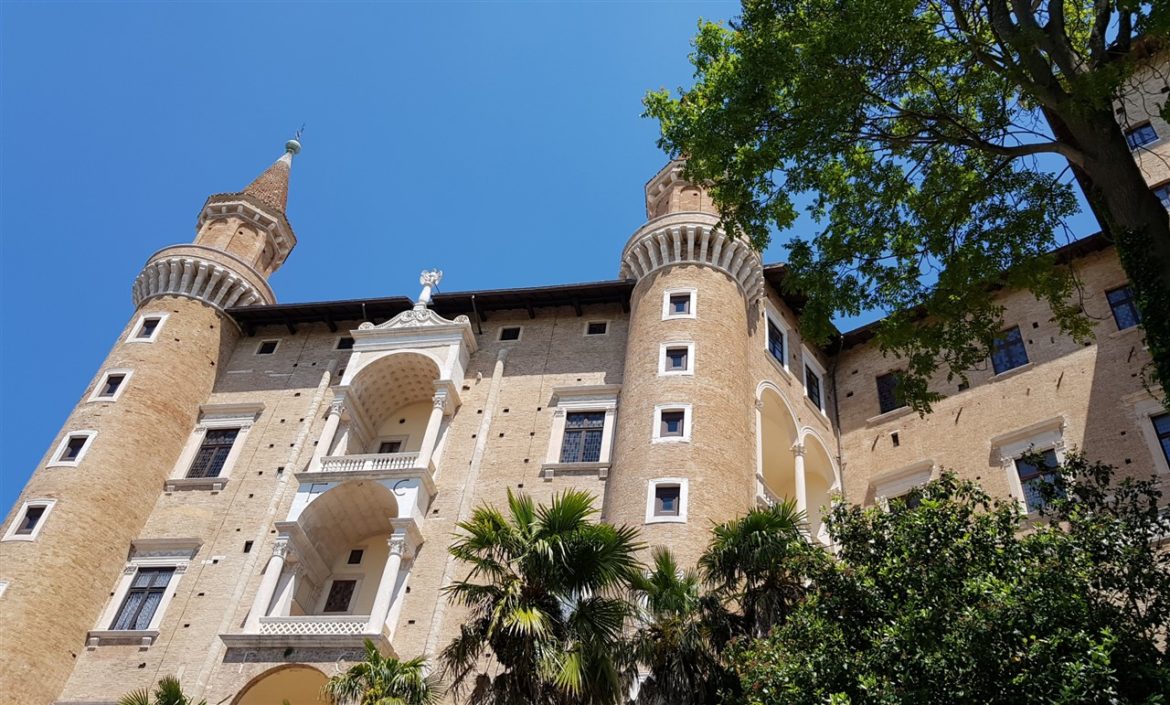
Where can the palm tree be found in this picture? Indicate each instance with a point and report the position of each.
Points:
(674, 640)
(167, 692)
(384, 680)
(548, 592)
(758, 566)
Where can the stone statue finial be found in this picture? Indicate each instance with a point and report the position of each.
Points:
(429, 279)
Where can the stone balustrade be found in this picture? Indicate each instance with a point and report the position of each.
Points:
(369, 462)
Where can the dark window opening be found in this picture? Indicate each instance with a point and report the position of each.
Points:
(1125, 312)
(110, 386)
(582, 440)
(345, 343)
(676, 359)
(889, 394)
(672, 424)
(73, 447)
(1008, 351)
(511, 333)
(146, 330)
(213, 452)
(775, 342)
(812, 385)
(340, 594)
(667, 500)
(596, 328)
(680, 304)
(32, 517)
(143, 598)
(355, 557)
(1033, 476)
(267, 347)
(390, 447)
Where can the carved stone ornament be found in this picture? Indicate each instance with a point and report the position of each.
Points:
(798, 449)
(417, 317)
(281, 548)
(337, 406)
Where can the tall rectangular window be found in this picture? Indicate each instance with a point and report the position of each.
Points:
(1125, 312)
(1141, 135)
(1034, 475)
(340, 595)
(812, 386)
(582, 440)
(889, 396)
(1008, 351)
(213, 452)
(1162, 429)
(143, 598)
(775, 342)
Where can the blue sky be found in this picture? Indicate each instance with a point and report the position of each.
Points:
(500, 142)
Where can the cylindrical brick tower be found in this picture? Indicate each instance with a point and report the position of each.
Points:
(684, 454)
(67, 538)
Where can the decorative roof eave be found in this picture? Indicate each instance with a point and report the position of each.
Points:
(265, 217)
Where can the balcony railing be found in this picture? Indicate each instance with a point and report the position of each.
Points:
(315, 625)
(318, 631)
(369, 462)
(765, 496)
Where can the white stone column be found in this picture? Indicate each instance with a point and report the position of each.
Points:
(328, 433)
(798, 471)
(402, 544)
(267, 589)
(431, 436)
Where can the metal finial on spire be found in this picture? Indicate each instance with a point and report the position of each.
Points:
(293, 146)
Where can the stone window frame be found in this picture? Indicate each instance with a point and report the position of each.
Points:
(1144, 411)
(667, 315)
(46, 502)
(1035, 438)
(261, 343)
(517, 339)
(772, 315)
(126, 375)
(896, 483)
(688, 371)
(353, 598)
(56, 461)
(688, 421)
(144, 553)
(583, 399)
(683, 499)
(132, 336)
(400, 438)
(214, 417)
(585, 328)
(807, 359)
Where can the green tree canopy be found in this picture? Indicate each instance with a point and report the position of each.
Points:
(924, 134)
(384, 680)
(950, 601)
(168, 691)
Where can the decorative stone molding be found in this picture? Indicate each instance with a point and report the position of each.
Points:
(692, 238)
(252, 211)
(201, 278)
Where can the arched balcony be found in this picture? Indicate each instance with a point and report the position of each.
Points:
(338, 568)
(793, 461)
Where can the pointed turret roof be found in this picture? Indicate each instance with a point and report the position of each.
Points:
(271, 187)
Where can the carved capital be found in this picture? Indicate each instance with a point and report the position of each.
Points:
(281, 548)
(798, 449)
(337, 407)
(439, 401)
(759, 404)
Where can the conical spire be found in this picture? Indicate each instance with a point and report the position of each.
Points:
(271, 187)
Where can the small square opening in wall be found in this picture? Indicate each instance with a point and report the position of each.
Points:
(679, 304)
(345, 343)
(267, 347)
(510, 333)
(147, 328)
(672, 424)
(677, 359)
(72, 448)
(597, 328)
(355, 557)
(29, 521)
(666, 500)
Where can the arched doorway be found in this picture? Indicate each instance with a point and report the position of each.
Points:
(296, 685)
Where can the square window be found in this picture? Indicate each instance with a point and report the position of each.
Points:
(1033, 476)
(667, 500)
(111, 384)
(355, 557)
(390, 447)
(142, 599)
(345, 343)
(28, 523)
(1141, 135)
(1125, 312)
(1162, 431)
(510, 333)
(672, 424)
(213, 452)
(340, 594)
(676, 359)
(889, 396)
(1008, 351)
(775, 342)
(73, 448)
(812, 386)
(596, 328)
(267, 347)
(582, 439)
(147, 328)
(680, 304)
(1162, 191)
(30, 520)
